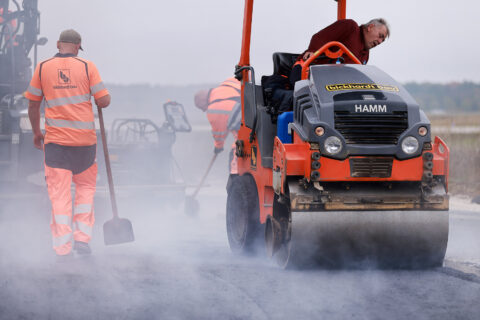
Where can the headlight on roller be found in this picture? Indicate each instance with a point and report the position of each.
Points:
(410, 145)
(333, 145)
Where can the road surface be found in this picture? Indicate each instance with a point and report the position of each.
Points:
(180, 267)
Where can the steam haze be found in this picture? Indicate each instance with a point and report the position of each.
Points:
(180, 265)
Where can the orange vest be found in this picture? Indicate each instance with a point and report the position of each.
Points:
(67, 84)
(221, 101)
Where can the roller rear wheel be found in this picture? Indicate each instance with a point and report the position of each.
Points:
(243, 222)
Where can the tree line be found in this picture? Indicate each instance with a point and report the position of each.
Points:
(458, 97)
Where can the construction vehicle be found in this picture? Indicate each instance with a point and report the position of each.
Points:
(141, 155)
(350, 178)
(19, 30)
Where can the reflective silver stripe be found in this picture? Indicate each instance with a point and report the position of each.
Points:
(35, 91)
(98, 87)
(60, 123)
(68, 100)
(219, 111)
(60, 241)
(219, 139)
(219, 132)
(82, 208)
(84, 228)
(62, 219)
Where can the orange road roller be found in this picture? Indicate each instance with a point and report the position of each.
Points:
(351, 176)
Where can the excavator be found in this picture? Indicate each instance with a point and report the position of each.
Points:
(19, 35)
(21, 165)
(352, 177)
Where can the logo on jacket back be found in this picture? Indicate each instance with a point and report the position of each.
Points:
(370, 108)
(63, 76)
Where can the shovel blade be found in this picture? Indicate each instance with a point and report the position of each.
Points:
(191, 206)
(117, 230)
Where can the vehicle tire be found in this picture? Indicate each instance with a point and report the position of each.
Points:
(243, 215)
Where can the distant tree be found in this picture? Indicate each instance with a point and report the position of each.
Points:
(451, 97)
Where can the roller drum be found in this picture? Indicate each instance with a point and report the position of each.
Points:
(365, 239)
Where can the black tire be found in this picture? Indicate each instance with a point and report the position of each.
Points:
(281, 212)
(243, 215)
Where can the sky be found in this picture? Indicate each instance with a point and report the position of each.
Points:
(186, 42)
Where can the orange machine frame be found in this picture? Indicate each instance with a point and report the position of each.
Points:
(298, 154)
(263, 176)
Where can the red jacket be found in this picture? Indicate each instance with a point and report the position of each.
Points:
(345, 31)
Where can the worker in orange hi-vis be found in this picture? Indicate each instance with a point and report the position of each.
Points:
(223, 107)
(67, 83)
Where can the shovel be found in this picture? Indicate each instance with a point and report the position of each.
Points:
(191, 204)
(116, 230)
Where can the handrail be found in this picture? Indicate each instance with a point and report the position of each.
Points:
(246, 34)
(341, 9)
(333, 55)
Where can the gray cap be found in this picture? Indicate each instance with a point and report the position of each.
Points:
(71, 36)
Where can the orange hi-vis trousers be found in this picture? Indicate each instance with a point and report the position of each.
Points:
(59, 181)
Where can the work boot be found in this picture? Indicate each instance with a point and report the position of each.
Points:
(61, 258)
(82, 247)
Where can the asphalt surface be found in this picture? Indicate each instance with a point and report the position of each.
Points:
(180, 267)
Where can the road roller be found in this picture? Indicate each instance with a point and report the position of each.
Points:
(349, 177)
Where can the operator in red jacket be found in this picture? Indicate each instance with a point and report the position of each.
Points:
(222, 105)
(358, 39)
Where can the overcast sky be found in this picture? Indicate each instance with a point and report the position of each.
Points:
(192, 41)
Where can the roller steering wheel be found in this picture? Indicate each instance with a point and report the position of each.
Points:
(325, 49)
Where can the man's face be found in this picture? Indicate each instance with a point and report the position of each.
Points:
(374, 35)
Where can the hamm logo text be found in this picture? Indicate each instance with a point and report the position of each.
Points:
(370, 108)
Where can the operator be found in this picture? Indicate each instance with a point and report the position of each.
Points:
(67, 82)
(358, 39)
(223, 108)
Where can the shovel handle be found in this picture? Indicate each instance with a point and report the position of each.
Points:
(204, 175)
(107, 164)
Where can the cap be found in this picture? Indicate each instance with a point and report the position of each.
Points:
(71, 36)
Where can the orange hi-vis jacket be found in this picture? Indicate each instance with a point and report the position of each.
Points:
(221, 101)
(67, 82)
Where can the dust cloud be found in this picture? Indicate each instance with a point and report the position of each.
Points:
(180, 265)
(163, 265)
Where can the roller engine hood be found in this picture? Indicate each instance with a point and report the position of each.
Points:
(363, 106)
